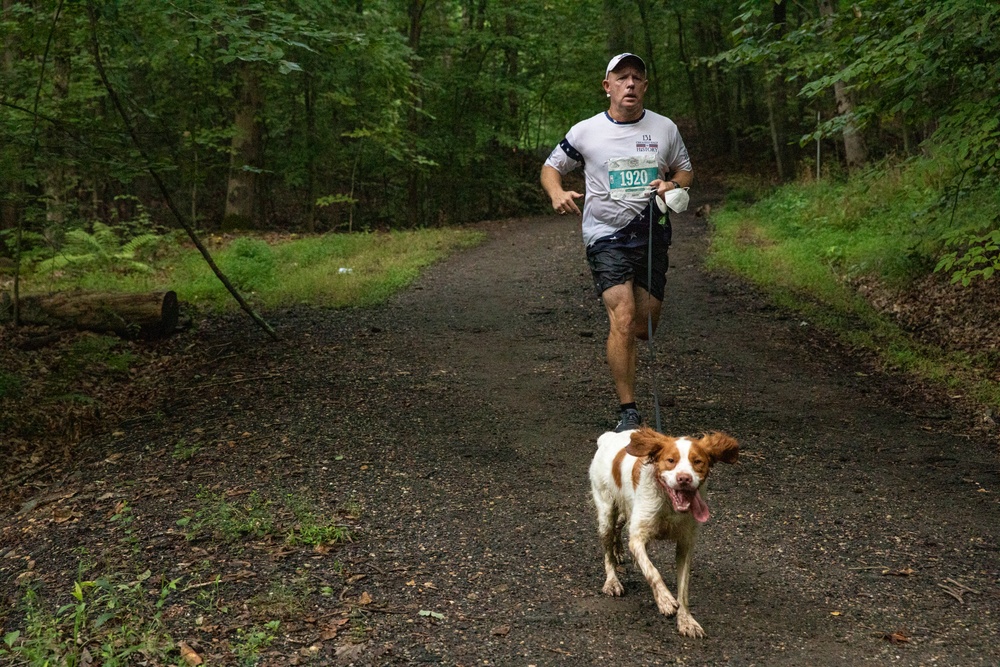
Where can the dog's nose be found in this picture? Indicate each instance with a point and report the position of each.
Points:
(684, 479)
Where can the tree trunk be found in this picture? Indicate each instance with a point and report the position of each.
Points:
(414, 181)
(145, 316)
(855, 152)
(9, 187)
(617, 30)
(649, 26)
(777, 102)
(512, 66)
(243, 192)
(311, 143)
(777, 136)
(58, 180)
(693, 87)
(8, 40)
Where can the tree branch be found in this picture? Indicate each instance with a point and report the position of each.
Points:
(192, 234)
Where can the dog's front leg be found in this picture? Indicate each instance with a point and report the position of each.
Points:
(610, 539)
(664, 600)
(686, 624)
(609, 530)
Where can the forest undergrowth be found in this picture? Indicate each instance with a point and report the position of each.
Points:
(899, 259)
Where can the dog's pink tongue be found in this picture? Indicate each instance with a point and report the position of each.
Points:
(699, 508)
(690, 501)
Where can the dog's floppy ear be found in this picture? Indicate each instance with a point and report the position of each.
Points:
(721, 447)
(644, 442)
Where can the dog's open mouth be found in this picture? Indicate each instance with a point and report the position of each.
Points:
(689, 501)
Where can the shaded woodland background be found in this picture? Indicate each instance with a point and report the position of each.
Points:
(310, 115)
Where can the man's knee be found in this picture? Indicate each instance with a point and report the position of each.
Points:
(623, 322)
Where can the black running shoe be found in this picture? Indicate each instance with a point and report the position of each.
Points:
(628, 420)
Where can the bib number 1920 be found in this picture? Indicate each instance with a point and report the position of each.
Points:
(633, 177)
(632, 182)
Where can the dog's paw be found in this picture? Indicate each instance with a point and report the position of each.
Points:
(666, 603)
(613, 587)
(688, 627)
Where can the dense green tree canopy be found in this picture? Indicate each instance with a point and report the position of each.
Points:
(313, 115)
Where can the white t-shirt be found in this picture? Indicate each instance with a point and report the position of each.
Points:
(619, 161)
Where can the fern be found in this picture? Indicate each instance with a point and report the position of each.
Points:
(102, 248)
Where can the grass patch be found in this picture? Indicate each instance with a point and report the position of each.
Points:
(108, 621)
(230, 519)
(184, 450)
(98, 352)
(249, 643)
(806, 243)
(894, 221)
(310, 529)
(329, 270)
(256, 516)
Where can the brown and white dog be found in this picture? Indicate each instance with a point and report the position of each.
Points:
(656, 484)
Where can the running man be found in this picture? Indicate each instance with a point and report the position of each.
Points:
(628, 153)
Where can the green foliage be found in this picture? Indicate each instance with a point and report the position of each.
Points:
(250, 642)
(96, 351)
(330, 200)
(972, 129)
(977, 256)
(375, 117)
(295, 271)
(810, 244)
(912, 76)
(230, 520)
(891, 221)
(386, 117)
(101, 250)
(745, 189)
(928, 60)
(255, 516)
(109, 621)
(310, 530)
(250, 264)
(375, 267)
(184, 451)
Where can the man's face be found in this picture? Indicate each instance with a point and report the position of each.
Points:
(626, 87)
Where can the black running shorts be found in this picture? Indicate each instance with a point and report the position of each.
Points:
(623, 256)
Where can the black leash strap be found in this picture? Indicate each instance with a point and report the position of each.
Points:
(653, 210)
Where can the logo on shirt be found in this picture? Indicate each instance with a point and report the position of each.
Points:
(646, 144)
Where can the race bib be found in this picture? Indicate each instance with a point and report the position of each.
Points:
(629, 177)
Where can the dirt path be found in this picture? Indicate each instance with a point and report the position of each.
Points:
(460, 420)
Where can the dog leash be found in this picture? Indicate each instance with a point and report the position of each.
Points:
(649, 314)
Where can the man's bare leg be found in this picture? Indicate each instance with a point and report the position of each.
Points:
(620, 304)
(645, 305)
(629, 307)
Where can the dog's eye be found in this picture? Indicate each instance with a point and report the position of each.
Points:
(671, 460)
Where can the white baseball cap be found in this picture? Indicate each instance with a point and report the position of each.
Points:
(624, 56)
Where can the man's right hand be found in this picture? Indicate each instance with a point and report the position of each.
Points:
(562, 202)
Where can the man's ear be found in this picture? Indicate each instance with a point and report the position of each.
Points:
(644, 442)
(721, 447)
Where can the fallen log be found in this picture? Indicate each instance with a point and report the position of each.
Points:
(153, 315)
